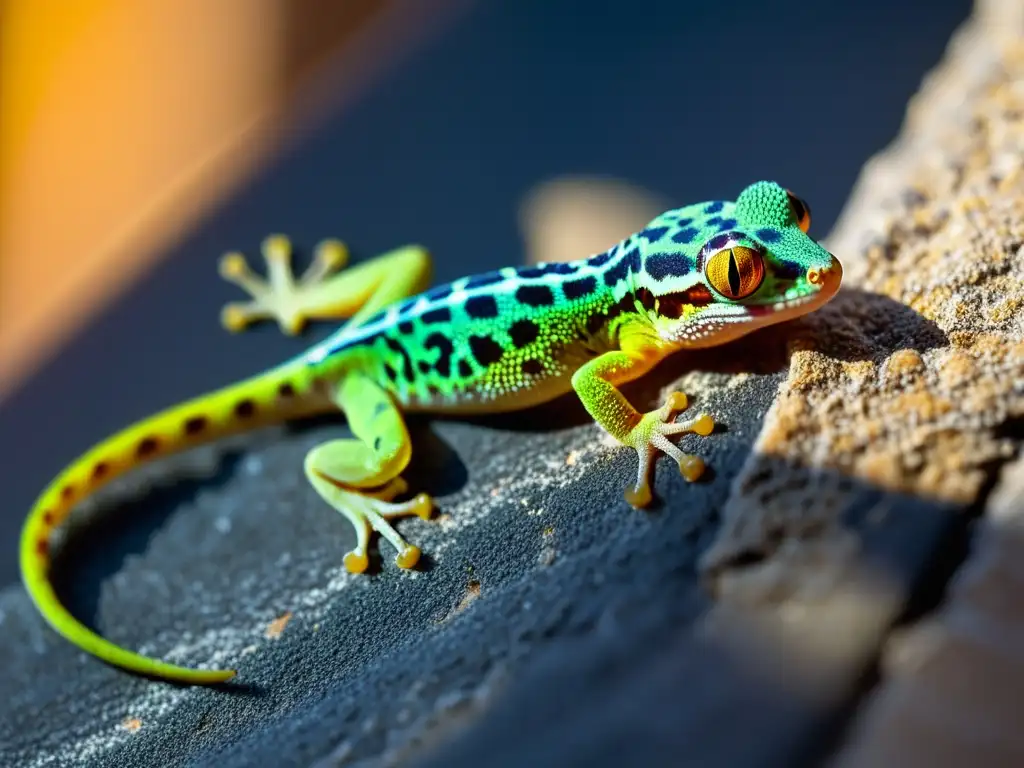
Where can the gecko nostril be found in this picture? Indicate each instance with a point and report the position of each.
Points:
(814, 276)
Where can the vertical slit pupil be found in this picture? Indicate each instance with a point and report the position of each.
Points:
(734, 274)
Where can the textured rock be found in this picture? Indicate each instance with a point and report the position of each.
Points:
(909, 379)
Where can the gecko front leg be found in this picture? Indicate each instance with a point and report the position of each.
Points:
(595, 384)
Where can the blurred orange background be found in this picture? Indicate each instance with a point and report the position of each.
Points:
(124, 121)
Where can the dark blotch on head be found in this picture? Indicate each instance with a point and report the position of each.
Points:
(146, 447)
(423, 366)
(662, 265)
(535, 296)
(684, 235)
(481, 307)
(485, 349)
(445, 348)
(714, 221)
(245, 408)
(195, 424)
(378, 441)
(390, 372)
(769, 235)
(532, 367)
(487, 278)
(788, 270)
(726, 224)
(100, 470)
(405, 327)
(653, 234)
(577, 289)
(286, 390)
(714, 207)
(465, 369)
(523, 332)
(439, 315)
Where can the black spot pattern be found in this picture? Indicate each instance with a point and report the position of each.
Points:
(440, 292)
(601, 259)
(630, 262)
(714, 221)
(726, 224)
(769, 235)
(654, 234)
(485, 349)
(465, 369)
(684, 235)
(523, 332)
(714, 207)
(532, 367)
(422, 366)
(445, 348)
(662, 265)
(487, 278)
(396, 346)
(577, 289)
(405, 326)
(554, 268)
(438, 315)
(481, 307)
(535, 296)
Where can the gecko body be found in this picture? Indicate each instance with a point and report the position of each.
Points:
(695, 276)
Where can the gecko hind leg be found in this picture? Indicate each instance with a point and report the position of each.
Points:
(279, 296)
(320, 293)
(360, 477)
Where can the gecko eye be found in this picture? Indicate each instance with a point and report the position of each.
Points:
(801, 211)
(735, 272)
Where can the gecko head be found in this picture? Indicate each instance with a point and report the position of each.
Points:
(763, 270)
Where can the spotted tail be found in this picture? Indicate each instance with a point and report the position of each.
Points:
(268, 398)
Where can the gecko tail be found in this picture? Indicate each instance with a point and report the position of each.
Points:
(271, 397)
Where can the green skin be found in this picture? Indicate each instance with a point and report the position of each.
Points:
(694, 277)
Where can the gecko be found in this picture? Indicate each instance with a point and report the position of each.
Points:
(696, 276)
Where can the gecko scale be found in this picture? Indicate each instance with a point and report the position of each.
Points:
(696, 276)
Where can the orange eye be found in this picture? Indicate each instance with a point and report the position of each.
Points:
(801, 211)
(735, 272)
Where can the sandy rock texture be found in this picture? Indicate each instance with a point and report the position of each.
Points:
(911, 380)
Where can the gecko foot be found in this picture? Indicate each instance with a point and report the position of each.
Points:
(650, 436)
(368, 513)
(279, 296)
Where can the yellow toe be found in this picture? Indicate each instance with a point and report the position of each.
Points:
(638, 496)
(691, 467)
(704, 425)
(356, 562)
(408, 557)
